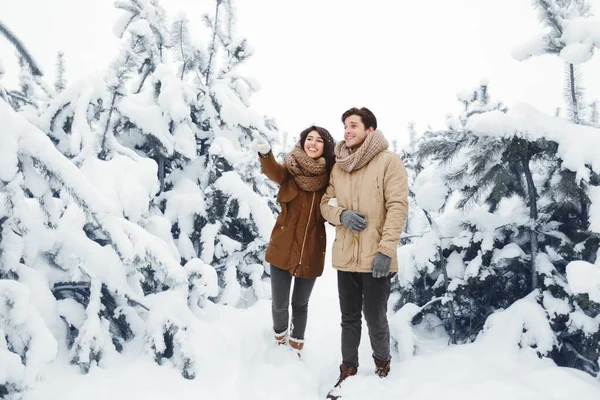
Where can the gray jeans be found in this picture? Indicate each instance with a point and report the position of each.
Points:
(361, 292)
(281, 282)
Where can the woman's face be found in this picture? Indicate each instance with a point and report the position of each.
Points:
(313, 145)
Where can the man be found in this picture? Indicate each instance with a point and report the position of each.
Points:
(371, 188)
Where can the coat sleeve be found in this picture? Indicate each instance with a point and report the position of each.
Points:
(272, 169)
(395, 194)
(330, 212)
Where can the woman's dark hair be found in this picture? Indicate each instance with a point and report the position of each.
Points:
(328, 144)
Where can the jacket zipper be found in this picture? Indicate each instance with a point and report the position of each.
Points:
(312, 203)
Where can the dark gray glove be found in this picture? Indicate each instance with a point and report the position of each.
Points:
(353, 220)
(381, 265)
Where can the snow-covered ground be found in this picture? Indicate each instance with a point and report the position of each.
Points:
(242, 362)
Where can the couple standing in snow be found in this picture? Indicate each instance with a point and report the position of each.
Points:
(370, 186)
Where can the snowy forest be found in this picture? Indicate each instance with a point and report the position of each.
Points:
(130, 203)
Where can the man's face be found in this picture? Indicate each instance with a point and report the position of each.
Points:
(354, 131)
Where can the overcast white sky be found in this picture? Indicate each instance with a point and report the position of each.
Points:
(405, 60)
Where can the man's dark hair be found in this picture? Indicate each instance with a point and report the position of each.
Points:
(366, 116)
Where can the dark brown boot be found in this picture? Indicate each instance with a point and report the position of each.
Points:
(345, 372)
(382, 368)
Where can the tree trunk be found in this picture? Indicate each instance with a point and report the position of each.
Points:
(573, 94)
(213, 44)
(533, 215)
(451, 302)
(103, 151)
(161, 172)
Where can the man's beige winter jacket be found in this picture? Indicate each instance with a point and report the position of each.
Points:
(380, 190)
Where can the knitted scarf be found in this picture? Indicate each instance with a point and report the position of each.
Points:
(309, 174)
(350, 161)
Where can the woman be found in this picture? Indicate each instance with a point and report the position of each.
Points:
(297, 247)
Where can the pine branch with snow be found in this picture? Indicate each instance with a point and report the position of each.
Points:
(60, 83)
(88, 240)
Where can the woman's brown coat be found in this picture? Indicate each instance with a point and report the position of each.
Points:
(298, 239)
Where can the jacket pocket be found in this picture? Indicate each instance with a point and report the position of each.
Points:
(342, 249)
(340, 236)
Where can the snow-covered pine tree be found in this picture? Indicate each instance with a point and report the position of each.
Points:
(140, 290)
(482, 251)
(570, 31)
(233, 232)
(155, 108)
(27, 218)
(565, 235)
(413, 168)
(413, 285)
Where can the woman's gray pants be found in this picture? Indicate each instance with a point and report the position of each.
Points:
(281, 282)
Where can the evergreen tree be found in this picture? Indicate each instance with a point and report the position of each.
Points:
(566, 193)
(562, 21)
(509, 221)
(117, 270)
(234, 231)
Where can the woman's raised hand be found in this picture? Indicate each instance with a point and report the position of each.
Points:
(260, 145)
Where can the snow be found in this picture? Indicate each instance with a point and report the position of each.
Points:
(554, 306)
(204, 281)
(237, 359)
(584, 278)
(511, 250)
(594, 195)
(139, 108)
(121, 24)
(430, 189)
(534, 46)
(130, 184)
(581, 36)
(184, 202)
(577, 144)
(22, 325)
(208, 236)
(582, 29)
(523, 325)
(455, 265)
(233, 110)
(579, 320)
(8, 153)
(474, 266)
(11, 369)
(577, 53)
